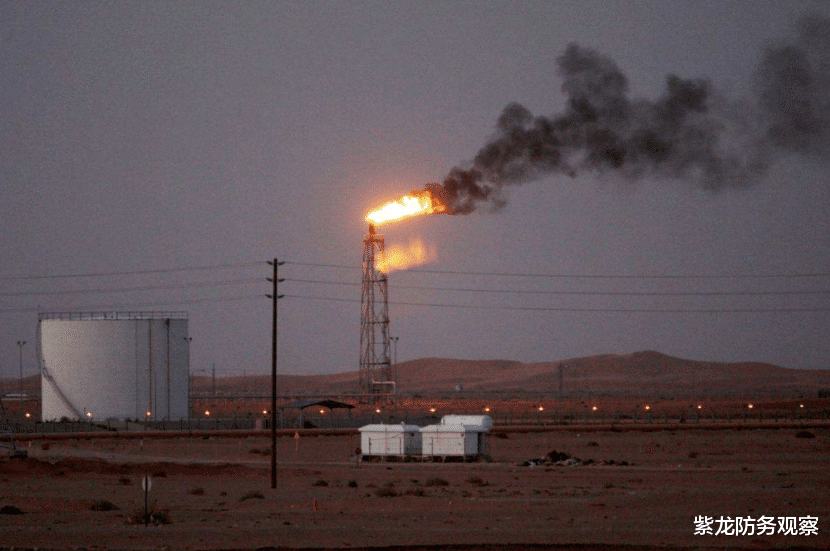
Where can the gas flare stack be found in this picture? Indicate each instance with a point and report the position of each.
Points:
(376, 381)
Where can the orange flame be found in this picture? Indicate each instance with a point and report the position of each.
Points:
(414, 204)
(398, 257)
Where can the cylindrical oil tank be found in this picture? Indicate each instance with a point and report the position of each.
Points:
(115, 365)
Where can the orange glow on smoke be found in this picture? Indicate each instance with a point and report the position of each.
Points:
(397, 257)
(414, 204)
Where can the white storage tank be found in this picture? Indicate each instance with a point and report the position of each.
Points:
(121, 365)
(457, 436)
(386, 440)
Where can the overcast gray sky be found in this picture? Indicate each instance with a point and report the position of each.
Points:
(141, 136)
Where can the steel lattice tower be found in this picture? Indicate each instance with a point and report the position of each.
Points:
(375, 363)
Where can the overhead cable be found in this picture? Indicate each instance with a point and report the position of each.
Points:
(130, 289)
(121, 306)
(133, 272)
(588, 276)
(588, 293)
(560, 309)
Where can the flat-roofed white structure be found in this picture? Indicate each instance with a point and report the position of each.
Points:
(477, 423)
(118, 365)
(457, 436)
(390, 440)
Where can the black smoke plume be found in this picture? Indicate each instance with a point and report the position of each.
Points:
(688, 133)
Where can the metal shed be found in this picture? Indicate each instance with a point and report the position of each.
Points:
(390, 440)
(462, 436)
(300, 405)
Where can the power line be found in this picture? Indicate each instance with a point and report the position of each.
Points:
(130, 289)
(581, 293)
(560, 309)
(134, 272)
(324, 265)
(588, 276)
(133, 305)
(619, 276)
(416, 270)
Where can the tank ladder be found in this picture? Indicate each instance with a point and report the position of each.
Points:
(64, 399)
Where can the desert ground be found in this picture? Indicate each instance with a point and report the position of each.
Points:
(214, 492)
(698, 452)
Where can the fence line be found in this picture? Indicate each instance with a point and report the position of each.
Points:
(291, 419)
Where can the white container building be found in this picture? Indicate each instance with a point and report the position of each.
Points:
(114, 365)
(457, 436)
(390, 440)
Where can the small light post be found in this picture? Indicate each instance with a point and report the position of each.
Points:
(20, 344)
(395, 358)
(188, 340)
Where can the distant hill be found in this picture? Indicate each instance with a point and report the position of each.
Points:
(646, 373)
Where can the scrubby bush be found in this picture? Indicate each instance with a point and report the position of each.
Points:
(10, 510)
(352, 484)
(199, 491)
(386, 491)
(102, 505)
(253, 494)
(155, 518)
(320, 482)
(435, 481)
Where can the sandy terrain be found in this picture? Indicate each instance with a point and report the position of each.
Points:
(216, 492)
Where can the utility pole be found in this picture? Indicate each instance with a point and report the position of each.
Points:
(275, 296)
(20, 345)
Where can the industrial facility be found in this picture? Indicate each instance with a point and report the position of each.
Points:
(114, 365)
